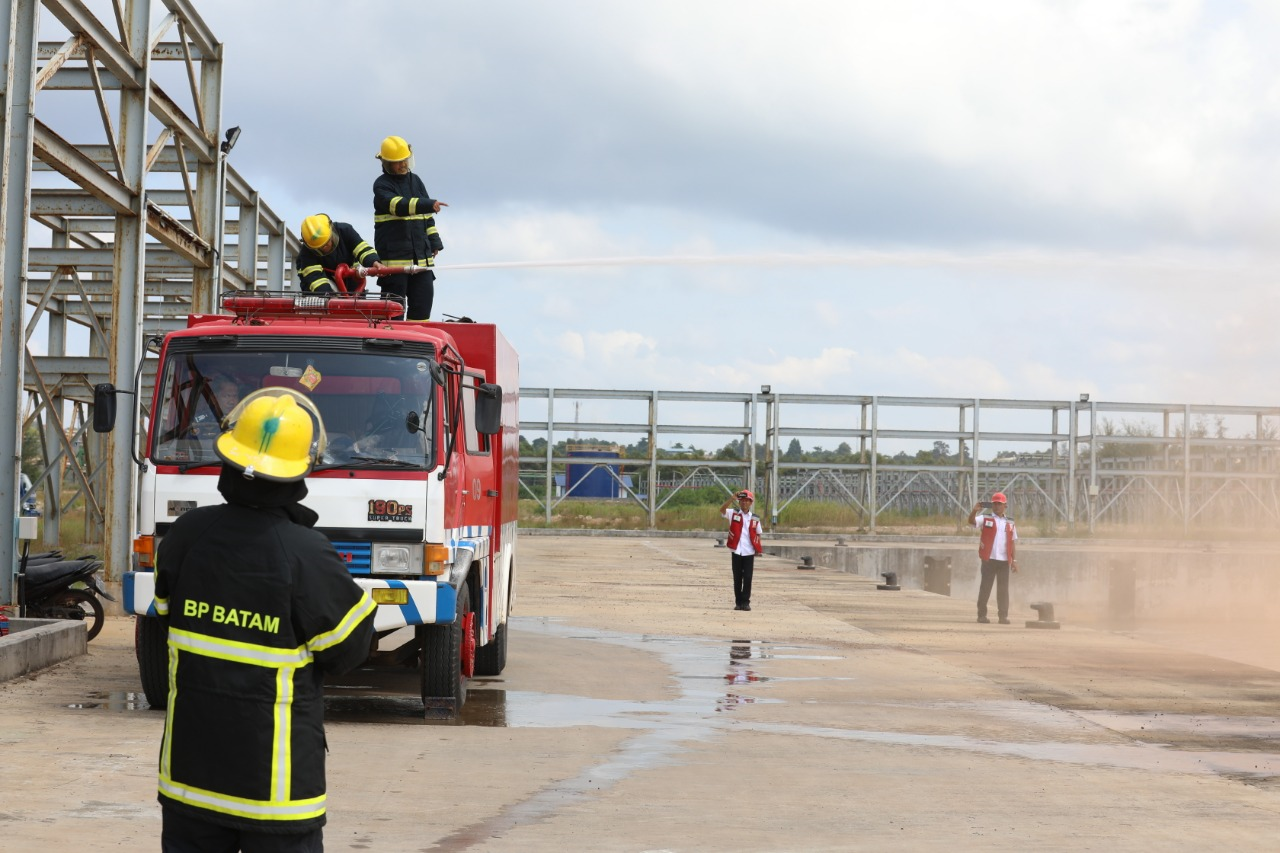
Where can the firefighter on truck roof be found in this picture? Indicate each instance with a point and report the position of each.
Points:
(404, 227)
(259, 609)
(326, 246)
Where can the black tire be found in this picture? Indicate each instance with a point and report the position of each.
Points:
(74, 604)
(151, 644)
(440, 660)
(492, 659)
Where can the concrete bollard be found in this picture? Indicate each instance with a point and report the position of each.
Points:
(1044, 610)
(806, 563)
(890, 581)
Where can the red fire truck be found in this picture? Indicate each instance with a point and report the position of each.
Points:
(416, 488)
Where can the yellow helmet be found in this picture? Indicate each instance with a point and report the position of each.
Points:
(275, 434)
(394, 149)
(316, 230)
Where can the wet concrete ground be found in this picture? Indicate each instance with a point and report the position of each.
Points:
(640, 712)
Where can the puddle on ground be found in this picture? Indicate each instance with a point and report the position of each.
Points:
(717, 677)
(117, 700)
(1263, 728)
(1134, 756)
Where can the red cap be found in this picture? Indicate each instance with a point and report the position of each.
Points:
(999, 498)
(750, 495)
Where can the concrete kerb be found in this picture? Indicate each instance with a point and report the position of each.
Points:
(34, 644)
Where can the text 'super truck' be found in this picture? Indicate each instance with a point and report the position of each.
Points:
(416, 489)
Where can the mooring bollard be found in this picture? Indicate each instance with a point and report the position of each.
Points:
(806, 563)
(719, 543)
(890, 581)
(840, 541)
(1044, 611)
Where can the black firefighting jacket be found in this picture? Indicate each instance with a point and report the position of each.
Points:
(404, 224)
(315, 271)
(260, 607)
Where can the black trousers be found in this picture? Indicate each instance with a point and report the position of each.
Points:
(742, 570)
(996, 571)
(182, 833)
(419, 288)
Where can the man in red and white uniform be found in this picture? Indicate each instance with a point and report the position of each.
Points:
(997, 545)
(744, 543)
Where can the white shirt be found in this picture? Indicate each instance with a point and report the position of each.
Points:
(999, 551)
(744, 541)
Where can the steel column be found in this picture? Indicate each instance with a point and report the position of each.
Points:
(15, 179)
(128, 298)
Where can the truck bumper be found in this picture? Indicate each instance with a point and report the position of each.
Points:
(428, 602)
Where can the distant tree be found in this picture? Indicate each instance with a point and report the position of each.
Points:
(794, 453)
(941, 450)
(639, 450)
(731, 451)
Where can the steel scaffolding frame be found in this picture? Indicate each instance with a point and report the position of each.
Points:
(1057, 472)
(116, 238)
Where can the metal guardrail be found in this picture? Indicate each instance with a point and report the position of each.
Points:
(1060, 461)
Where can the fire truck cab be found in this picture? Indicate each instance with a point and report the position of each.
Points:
(416, 488)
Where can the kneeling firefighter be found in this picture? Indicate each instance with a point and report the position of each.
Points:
(260, 608)
(326, 246)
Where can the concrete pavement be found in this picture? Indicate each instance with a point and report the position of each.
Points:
(640, 712)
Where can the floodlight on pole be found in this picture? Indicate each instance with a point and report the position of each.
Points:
(228, 142)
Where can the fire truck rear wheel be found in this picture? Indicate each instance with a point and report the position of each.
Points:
(151, 643)
(441, 658)
(492, 659)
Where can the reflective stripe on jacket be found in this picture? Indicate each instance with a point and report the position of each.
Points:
(260, 608)
(315, 271)
(404, 224)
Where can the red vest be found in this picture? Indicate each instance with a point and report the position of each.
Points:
(987, 525)
(735, 531)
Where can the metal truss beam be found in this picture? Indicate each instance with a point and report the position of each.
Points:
(129, 236)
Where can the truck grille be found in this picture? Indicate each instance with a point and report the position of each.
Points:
(357, 555)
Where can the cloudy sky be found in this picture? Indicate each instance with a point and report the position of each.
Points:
(1000, 199)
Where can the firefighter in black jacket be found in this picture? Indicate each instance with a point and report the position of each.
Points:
(259, 608)
(404, 227)
(329, 244)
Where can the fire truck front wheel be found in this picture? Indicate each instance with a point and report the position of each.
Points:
(440, 661)
(151, 644)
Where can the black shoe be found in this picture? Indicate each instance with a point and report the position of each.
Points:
(1004, 621)
(737, 607)
(984, 620)
(746, 607)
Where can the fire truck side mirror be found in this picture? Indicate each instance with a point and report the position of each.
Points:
(488, 408)
(104, 407)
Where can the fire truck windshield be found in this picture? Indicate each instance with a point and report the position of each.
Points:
(376, 408)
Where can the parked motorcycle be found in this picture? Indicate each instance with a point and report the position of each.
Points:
(54, 588)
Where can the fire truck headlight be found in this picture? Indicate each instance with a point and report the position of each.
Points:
(395, 560)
